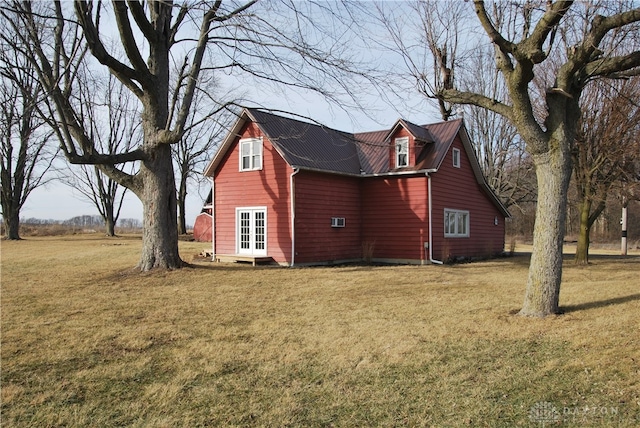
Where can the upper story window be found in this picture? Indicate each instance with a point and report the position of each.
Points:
(456, 157)
(402, 152)
(456, 223)
(250, 154)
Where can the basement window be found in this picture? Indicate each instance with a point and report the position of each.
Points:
(337, 222)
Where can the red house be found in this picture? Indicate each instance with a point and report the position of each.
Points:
(298, 193)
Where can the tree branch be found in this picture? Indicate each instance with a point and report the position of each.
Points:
(497, 39)
(203, 39)
(198, 56)
(176, 25)
(125, 74)
(137, 11)
(234, 12)
(105, 159)
(129, 41)
(533, 44)
(462, 97)
(611, 66)
(600, 26)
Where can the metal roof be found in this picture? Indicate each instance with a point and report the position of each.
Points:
(308, 145)
(312, 146)
(373, 151)
(443, 134)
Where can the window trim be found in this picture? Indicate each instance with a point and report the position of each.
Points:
(456, 215)
(338, 222)
(405, 143)
(252, 251)
(251, 155)
(455, 154)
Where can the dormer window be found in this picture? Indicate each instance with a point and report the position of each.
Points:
(402, 152)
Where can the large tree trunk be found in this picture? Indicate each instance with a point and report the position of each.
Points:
(160, 223)
(12, 224)
(582, 250)
(553, 171)
(160, 233)
(110, 226)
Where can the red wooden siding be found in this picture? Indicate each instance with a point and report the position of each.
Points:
(268, 187)
(318, 198)
(388, 213)
(457, 188)
(395, 216)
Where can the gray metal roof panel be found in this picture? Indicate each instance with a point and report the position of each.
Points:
(308, 145)
(315, 147)
(420, 133)
(443, 134)
(373, 151)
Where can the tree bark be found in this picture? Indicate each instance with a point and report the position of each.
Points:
(110, 226)
(160, 233)
(582, 250)
(553, 171)
(11, 224)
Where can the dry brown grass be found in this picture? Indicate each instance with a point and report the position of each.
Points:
(86, 341)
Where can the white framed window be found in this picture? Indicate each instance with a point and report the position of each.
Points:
(455, 153)
(402, 152)
(456, 223)
(337, 222)
(250, 154)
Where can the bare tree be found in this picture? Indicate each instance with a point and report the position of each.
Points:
(525, 36)
(500, 150)
(430, 42)
(26, 154)
(276, 42)
(550, 143)
(607, 135)
(437, 47)
(112, 119)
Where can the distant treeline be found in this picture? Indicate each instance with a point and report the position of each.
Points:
(85, 221)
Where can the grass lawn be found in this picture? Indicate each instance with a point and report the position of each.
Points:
(86, 341)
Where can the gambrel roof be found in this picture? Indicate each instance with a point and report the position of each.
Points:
(311, 146)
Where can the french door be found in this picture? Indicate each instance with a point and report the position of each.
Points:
(251, 227)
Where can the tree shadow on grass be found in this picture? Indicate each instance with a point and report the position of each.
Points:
(599, 304)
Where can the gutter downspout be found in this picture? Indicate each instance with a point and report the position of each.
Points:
(293, 215)
(431, 259)
(213, 220)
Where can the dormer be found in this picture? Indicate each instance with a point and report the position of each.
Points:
(406, 142)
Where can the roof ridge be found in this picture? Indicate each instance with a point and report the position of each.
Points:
(310, 121)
